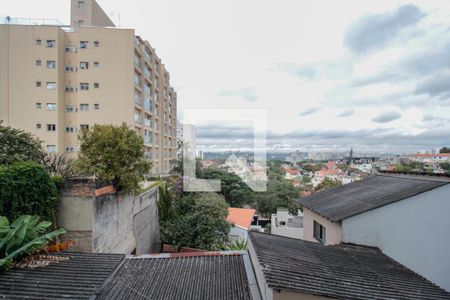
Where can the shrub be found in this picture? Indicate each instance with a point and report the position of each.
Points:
(27, 189)
(18, 145)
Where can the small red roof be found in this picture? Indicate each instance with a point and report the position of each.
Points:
(292, 172)
(241, 217)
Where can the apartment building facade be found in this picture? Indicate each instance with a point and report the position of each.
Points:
(56, 80)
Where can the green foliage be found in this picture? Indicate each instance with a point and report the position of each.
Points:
(165, 203)
(25, 236)
(280, 193)
(328, 183)
(59, 165)
(17, 145)
(26, 188)
(235, 191)
(445, 150)
(312, 167)
(238, 245)
(114, 153)
(445, 166)
(306, 179)
(198, 221)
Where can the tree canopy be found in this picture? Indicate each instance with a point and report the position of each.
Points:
(198, 220)
(445, 150)
(18, 145)
(114, 153)
(328, 183)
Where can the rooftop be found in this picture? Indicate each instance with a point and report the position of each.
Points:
(189, 276)
(341, 271)
(360, 196)
(77, 278)
(241, 217)
(205, 275)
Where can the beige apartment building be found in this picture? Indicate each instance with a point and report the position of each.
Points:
(56, 80)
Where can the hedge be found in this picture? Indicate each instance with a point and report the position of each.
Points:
(27, 189)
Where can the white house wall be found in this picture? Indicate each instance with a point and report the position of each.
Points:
(414, 232)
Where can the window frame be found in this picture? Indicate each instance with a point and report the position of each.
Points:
(319, 232)
(51, 63)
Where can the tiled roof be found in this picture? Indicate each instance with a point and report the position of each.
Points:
(364, 195)
(77, 278)
(341, 271)
(181, 276)
(241, 217)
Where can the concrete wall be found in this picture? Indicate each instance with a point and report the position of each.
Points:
(333, 229)
(237, 233)
(414, 232)
(296, 233)
(111, 222)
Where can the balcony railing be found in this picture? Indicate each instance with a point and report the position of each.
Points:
(29, 21)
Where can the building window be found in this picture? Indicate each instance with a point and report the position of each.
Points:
(70, 129)
(38, 42)
(96, 64)
(51, 64)
(69, 149)
(84, 107)
(96, 43)
(51, 127)
(38, 84)
(69, 89)
(80, 22)
(70, 108)
(38, 105)
(96, 106)
(84, 44)
(51, 148)
(70, 49)
(38, 62)
(38, 126)
(96, 85)
(84, 126)
(50, 106)
(51, 43)
(80, 4)
(51, 85)
(137, 116)
(84, 86)
(319, 232)
(69, 68)
(84, 65)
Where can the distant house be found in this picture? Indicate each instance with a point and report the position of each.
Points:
(242, 219)
(288, 269)
(431, 160)
(207, 275)
(406, 216)
(285, 224)
(291, 174)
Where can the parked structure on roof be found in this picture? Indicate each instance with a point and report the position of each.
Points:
(288, 268)
(285, 224)
(406, 216)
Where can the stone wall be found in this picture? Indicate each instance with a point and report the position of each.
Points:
(104, 221)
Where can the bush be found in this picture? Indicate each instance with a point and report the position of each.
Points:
(18, 145)
(27, 189)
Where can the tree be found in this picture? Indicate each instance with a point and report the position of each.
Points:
(446, 166)
(114, 153)
(199, 222)
(445, 150)
(328, 183)
(59, 165)
(27, 189)
(25, 236)
(18, 145)
(279, 194)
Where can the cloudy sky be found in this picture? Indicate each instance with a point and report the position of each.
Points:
(374, 75)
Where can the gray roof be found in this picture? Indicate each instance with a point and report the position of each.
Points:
(77, 278)
(201, 276)
(343, 271)
(364, 195)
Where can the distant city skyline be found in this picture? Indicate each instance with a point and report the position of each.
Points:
(332, 74)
